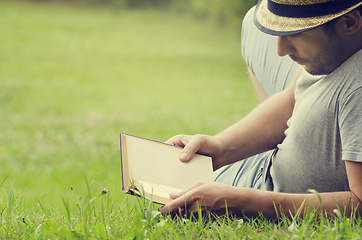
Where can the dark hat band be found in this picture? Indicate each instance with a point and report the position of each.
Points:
(311, 10)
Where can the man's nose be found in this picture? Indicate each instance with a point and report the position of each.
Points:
(284, 46)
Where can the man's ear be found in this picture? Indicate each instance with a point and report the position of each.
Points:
(352, 22)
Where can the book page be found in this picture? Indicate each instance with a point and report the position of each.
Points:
(157, 192)
(155, 162)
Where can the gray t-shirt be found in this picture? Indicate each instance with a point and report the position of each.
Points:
(324, 130)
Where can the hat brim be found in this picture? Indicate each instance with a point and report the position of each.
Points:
(273, 24)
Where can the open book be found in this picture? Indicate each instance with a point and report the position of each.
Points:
(153, 169)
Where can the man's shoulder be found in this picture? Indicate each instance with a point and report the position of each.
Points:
(356, 60)
(351, 68)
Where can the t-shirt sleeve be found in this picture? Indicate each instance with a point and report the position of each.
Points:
(259, 51)
(246, 46)
(350, 123)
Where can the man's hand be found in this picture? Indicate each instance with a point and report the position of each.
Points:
(208, 196)
(204, 144)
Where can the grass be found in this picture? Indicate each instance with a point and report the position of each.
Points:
(72, 78)
(100, 217)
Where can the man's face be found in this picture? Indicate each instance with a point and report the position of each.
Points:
(318, 53)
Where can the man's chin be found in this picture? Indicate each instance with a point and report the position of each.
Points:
(311, 72)
(309, 69)
(315, 72)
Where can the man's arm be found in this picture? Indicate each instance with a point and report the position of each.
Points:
(251, 202)
(259, 131)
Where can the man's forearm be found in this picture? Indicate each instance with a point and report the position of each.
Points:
(259, 131)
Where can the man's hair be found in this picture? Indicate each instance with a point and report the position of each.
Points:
(330, 27)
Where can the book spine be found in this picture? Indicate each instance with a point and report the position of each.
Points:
(124, 163)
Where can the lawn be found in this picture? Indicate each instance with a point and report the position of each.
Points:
(72, 78)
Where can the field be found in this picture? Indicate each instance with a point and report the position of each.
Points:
(72, 78)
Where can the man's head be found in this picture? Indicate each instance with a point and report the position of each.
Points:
(318, 34)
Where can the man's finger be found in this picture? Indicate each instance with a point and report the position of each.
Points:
(180, 200)
(173, 196)
(193, 146)
(174, 205)
(179, 194)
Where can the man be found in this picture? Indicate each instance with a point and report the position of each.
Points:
(314, 126)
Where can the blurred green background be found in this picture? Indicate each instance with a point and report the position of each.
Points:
(73, 75)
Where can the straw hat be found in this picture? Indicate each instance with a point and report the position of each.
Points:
(287, 17)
